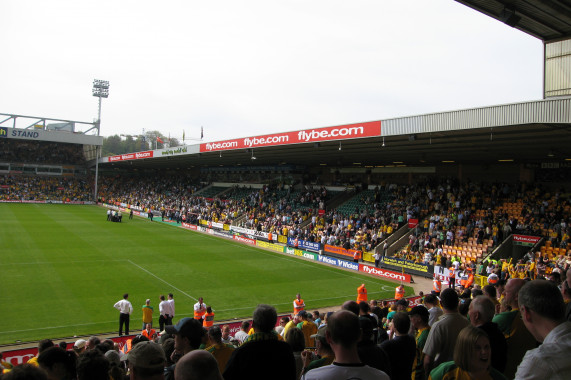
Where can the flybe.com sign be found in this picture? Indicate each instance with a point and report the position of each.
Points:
(384, 273)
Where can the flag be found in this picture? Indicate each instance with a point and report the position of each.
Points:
(183, 135)
(201, 133)
(159, 140)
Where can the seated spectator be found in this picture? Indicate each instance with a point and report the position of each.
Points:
(149, 332)
(472, 356)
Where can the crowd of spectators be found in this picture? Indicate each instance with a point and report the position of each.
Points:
(44, 188)
(519, 330)
(469, 227)
(454, 219)
(41, 152)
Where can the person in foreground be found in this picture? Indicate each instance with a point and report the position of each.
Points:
(342, 333)
(543, 313)
(472, 358)
(262, 355)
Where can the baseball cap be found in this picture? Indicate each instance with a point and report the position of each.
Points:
(147, 356)
(185, 327)
(80, 343)
(419, 310)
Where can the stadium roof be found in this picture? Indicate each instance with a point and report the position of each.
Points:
(547, 20)
(528, 133)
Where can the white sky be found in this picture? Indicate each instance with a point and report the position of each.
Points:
(250, 67)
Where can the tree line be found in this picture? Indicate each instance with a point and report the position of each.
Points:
(120, 144)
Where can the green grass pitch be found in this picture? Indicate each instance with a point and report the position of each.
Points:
(64, 266)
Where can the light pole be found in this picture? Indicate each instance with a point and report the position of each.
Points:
(100, 90)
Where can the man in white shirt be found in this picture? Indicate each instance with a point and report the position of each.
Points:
(242, 335)
(543, 313)
(125, 309)
(343, 333)
(163, 312)
(171, 309)
(199, 309)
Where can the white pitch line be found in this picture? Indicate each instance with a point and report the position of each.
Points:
(160, 279)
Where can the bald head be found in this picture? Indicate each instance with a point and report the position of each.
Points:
(511, 291)
(197, 365)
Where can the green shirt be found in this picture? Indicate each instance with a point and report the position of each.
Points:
(505, 321)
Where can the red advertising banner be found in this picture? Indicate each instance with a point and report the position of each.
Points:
(525, 239)
(131, 156)
(339, 250)
(384, 273)
(190, 226)
(342, 132)
(244, 240)
(412, 223)
(21, 356)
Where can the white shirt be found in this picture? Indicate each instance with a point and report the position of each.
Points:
(341, 371)
(124, 306)
(171, 307)
(163, 308)
(241, 336)
(433, 314)
(199, 306)
(550, 360)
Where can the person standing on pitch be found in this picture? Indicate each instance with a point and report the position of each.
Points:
(199, 310)
(171, 308)
(361, 293)
(125, 309)
(298, 304)
(147, 313)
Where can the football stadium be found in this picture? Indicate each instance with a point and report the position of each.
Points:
(451, 212)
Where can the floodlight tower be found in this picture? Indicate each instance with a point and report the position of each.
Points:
(100, 90)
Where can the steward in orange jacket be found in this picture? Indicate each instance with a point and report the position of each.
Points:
(361, 293)
(208, 320)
